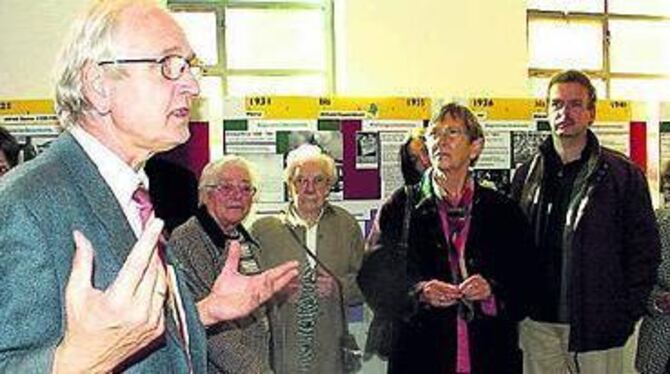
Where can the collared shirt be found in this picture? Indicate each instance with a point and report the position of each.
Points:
(119, 176)
(310, 231)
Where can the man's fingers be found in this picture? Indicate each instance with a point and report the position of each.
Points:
(82, 267)
(159, 294)
(137, 262)
(152, 285)
(233, 259)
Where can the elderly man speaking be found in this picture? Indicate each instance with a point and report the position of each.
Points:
(109, 300)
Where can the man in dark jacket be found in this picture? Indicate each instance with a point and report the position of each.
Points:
(597, 240)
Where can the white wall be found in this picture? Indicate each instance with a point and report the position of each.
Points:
(384, 47)
(31, 33)
(431, 47)
(30, 37)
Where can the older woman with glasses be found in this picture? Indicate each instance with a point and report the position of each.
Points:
(447, 300)
(310, 313)
(201, 245)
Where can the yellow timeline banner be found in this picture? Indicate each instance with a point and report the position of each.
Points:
(527, 109)
(385, 108)
(302, 107)
(17, 107)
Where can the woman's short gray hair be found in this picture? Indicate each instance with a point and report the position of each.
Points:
(212, 171)
(307, 153)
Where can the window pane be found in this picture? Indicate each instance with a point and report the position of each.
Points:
(565, 44)
(200, 30)
(647, 7)
(307, 85)
(275, 39)
(640, 46)
(640, 89)
(537, 87)
(210, 89)
(593, 6)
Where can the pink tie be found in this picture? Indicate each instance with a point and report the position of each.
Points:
(146, 210)
(143, 200)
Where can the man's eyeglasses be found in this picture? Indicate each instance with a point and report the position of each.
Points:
(229, 189)
(172, 66)
(568, 105)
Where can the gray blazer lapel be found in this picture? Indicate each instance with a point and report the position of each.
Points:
(104, 206)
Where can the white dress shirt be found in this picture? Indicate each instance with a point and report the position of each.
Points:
(119, 176)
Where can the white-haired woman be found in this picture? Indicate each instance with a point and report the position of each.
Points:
(201, 245)
(309, 324)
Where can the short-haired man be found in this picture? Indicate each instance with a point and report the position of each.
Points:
(124, 92)
(596, 237)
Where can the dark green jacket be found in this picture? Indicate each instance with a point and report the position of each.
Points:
(41, 203)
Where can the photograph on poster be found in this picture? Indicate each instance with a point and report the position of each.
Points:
(524, 145)
(31, 146)
(330, 143)
(498, 179)
(367, 150)
(664, 184)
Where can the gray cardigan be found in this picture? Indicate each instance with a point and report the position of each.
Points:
(41, 202)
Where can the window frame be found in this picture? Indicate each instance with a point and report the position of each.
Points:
(604, 73)
(223, 71)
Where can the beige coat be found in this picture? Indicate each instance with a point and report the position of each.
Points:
(340, 248)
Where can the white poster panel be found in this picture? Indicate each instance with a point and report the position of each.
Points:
(497, 151)
(390, 125)
(391, 175)
(615, 135)
(270, 168)
(282, 124)
(249, 142)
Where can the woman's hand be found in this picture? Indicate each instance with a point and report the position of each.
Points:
(439, 294)
(475, 288)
